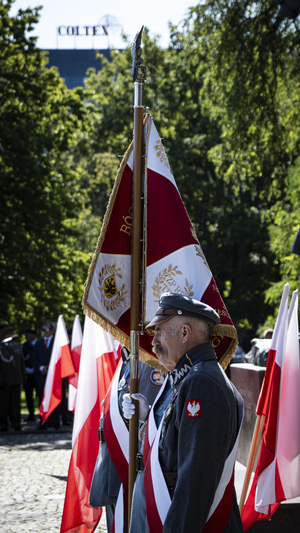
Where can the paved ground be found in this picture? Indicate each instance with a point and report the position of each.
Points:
(33, 473)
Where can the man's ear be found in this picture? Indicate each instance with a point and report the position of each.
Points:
(186, 333)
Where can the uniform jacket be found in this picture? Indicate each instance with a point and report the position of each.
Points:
(41, 356)
(27, 350)
(107, 478)
(12, 368)
(199, 431)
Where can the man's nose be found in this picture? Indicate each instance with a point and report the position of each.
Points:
(155, 341)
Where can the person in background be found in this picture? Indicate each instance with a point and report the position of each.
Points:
(12, 376)
(106, 483)
(30, 383)
(41, 359)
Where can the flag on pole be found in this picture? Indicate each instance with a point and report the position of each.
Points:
(60, 366)
(173, 258)
(99, 359)
(76, 344)
(277, 475)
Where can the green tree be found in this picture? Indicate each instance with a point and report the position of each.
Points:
(286, 217)
(43, 257)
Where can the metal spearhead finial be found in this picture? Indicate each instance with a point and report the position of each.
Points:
(136, 51)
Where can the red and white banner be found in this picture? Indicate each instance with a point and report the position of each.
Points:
(99, 359)
(157, 495)
(76, 345)
(117, 441)
(277, 475)
(60, 366)
(174, 258)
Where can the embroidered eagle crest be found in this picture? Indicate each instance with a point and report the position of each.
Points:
(193, 408)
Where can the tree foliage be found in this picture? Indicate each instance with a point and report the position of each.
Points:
(41, 197)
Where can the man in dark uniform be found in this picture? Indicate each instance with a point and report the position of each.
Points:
(30, 384)
(106, 483)
(199, 433)
(41, 358)
(12, 376)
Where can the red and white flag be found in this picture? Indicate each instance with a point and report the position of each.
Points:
(76, 344)
(277, 475)
(99, 359)
(60, 366)
(174, 261)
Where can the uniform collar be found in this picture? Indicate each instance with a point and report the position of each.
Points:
(202, 352)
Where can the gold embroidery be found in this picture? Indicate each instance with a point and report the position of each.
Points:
(166, 282)
(126, 228)
(161, 154)
(110, 295)
(189, 359)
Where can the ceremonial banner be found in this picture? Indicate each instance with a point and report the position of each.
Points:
(99, 359)
(60, 366)
(277, 476)
(173, 258)
(76, 344)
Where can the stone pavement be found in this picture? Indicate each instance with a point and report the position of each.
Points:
(33, 473)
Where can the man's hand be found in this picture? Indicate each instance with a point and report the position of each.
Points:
(44, 371)
(129, 408)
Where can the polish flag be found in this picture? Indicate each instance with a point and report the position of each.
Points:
(60, 366)
(99, 359)
(76, 344)
(277, 476)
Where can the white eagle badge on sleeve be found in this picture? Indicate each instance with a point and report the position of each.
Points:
(193, 408)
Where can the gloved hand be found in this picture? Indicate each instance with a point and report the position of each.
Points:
(29, 370)
(128, 406)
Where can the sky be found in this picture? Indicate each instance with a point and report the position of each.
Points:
(59, 17)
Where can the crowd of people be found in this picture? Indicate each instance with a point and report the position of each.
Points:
(26, 366)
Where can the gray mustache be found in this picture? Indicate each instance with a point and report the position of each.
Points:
(158, 350)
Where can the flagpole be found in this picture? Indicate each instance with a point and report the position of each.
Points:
(257, 433)
(139, 79)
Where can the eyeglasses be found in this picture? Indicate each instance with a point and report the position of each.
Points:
(46, 329)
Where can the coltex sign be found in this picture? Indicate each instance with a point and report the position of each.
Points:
(82, 31)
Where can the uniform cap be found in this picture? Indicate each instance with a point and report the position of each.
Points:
(172, 304)
(7, 333)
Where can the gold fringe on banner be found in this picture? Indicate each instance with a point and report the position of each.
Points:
(225, 330)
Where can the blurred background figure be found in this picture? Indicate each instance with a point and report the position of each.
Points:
(12, 376)
(259, 351)
(30, 383)
(41, 358)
